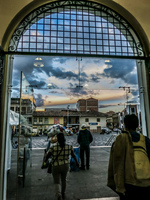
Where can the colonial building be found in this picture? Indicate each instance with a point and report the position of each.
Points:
(116, 120)
(27, 108)
(43, 119)
(87, 104)
(71, 119)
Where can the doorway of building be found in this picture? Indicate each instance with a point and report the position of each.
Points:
(89, 29)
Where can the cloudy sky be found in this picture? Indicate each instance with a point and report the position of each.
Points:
(57, 80)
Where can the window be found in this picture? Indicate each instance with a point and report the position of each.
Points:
(86, 119)
(132, 111)
(54, 29)
(35, 119)
(46, 120)
(29, 110)
(23, 110)
(12, 108)
(40, 119)
(98, 119)
(17, 109)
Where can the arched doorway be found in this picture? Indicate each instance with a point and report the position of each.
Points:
(81, 28)
(77, 28)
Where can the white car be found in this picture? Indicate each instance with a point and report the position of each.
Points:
(106, 130)
(117, 130)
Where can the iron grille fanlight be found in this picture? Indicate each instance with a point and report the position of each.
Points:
(76, 27)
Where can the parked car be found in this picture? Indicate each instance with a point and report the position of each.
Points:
(34, 134)
(117, 130)
(106, 130)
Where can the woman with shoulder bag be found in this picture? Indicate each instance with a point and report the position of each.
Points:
(60, 153)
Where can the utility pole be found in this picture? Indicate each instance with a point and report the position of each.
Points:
(79, 59)
(68, 116)
(127, 90)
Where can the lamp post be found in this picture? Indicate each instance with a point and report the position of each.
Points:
(68, 116)
(127, 90)
(79, 59)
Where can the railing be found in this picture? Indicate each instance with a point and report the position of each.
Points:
(111, 140)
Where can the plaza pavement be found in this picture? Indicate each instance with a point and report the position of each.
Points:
(83, 185)
(98, 140)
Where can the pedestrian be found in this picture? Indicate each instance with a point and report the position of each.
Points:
(84, 139)
(129, 163)
(60, 167)
(15, 146)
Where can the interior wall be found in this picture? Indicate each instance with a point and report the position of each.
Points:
(11, 13)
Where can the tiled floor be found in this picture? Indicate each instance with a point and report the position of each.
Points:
(83, 185)
(109, 198)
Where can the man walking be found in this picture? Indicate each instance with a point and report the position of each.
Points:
(84, 139)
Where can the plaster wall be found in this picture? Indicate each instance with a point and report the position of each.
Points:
(102, 122)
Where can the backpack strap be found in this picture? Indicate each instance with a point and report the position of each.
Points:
(57, 156)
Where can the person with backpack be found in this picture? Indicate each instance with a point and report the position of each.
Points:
(84, 139)
(129, 163)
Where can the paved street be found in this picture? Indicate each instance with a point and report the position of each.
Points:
(82, 185)
(98, 140)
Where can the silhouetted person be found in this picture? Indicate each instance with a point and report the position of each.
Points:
(129, 164)
(84, 139)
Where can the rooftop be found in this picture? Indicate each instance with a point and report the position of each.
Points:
(61, 113)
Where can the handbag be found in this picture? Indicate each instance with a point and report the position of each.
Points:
(49, 170)
(44, 164)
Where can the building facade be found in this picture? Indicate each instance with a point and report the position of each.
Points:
(44, 119)
(116, 120)
(27, 108)
(72, 119)
(87, 104)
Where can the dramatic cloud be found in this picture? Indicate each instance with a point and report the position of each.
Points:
(135, 92)
(57, 78)
(95, 78)
(121, 69)
(59, 73)
(38, 84)
(39, 100)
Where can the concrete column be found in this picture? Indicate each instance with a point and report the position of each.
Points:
(144, 96)
(3, 121)
(8, 128)
(2, 136)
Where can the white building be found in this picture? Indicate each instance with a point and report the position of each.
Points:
(93, 120)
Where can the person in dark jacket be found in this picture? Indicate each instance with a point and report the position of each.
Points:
(84, 139)
(129, 152)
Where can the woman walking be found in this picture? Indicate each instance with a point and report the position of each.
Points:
(60, 153)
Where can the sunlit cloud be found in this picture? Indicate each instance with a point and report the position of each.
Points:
(58, 81)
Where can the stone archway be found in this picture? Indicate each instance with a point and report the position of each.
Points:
(137, 48)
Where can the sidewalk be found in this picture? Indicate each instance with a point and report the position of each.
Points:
(88, 184)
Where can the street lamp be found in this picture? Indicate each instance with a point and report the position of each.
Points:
(79, 59)
(68, 115)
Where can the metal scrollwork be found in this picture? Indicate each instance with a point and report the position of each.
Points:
(139, 49)
(105, 12)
